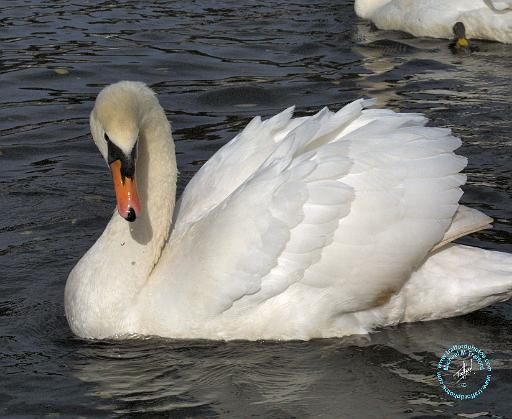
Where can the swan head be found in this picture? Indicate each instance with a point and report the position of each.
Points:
(115, 123)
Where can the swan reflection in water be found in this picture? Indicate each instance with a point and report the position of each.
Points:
(215, 377)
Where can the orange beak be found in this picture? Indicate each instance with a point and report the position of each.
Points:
(128, 203)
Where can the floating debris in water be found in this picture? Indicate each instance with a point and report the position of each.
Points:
(93, 198)
(473, 415)
(104, 394)
(61, 71)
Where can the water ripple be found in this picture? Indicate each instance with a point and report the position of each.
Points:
(215, 64)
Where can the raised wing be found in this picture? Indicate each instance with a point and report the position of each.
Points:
(334, 219)
(230, 166)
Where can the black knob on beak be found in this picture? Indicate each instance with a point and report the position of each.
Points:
(131, 215)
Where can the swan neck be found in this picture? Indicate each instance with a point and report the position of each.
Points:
(105, 283)
(156, 175)
(136, 247)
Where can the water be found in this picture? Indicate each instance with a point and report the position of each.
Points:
(214, 65)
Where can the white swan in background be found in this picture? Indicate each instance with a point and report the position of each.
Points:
(320, 226)
(483, 19)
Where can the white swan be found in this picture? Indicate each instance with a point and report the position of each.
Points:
(319, 226)
(483, 19)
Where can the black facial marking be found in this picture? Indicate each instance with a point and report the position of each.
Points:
(127, 162)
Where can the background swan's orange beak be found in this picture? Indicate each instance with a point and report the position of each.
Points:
(128, 203)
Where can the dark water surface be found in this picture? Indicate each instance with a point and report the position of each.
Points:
(214, 65)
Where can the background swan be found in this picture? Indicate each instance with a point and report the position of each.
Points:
(483, 19)
(320, 226)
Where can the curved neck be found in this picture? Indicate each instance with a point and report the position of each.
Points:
(113, 271)
(156, 182)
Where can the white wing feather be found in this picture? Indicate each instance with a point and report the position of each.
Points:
(229, 167)
(335, 212)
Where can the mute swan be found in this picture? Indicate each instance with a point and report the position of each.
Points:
(483, 19)
(319, 226)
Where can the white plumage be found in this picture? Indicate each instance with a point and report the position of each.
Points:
(483, 19)
(298, 228)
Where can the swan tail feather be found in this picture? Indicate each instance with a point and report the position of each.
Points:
(457, 280)
(466, 221)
